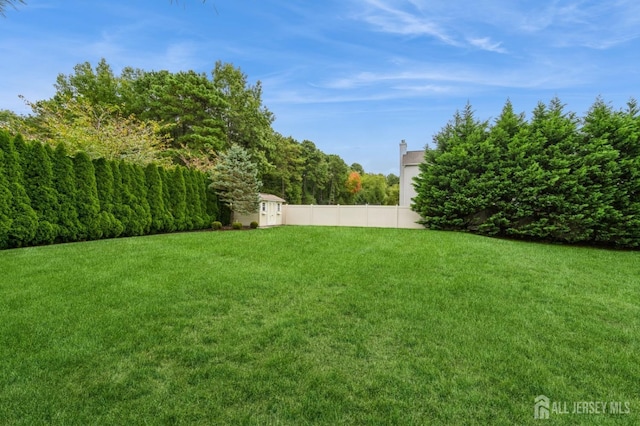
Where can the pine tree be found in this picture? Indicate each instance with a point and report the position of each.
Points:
(25, 221)
(235, 178)
(38, 178)
(64, 181)
(87, 203)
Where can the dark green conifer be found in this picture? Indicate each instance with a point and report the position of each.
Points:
(24, 219)
(111, 227)
(64, 181)
(38, 179)
(87, 203)
(155, 198)
(5, 206)
(121, 210)
(177, 194)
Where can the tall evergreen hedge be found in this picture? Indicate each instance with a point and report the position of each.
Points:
(111, 226)
(557, 177)
(24, 221)
(5, 206)
(48, 196)
(64, 182)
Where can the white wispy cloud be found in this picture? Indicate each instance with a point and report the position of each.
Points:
(485, 43)
(417, 18)
(387, 18)
(580, 23)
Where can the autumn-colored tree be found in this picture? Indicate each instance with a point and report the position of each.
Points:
(354, 182)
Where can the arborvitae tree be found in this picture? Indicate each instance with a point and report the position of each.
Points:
(5, 206)
(190, 194)
(121, 199)
(38, 178)
(140, 192)
(21, 148)
(166, 178)
(213, 209)
(178, 199)
(110, 225)
(87, 203)
(195, 186)
(25, 221)
(130, 197)
(64, 181)
(155, 198)
(202, 196)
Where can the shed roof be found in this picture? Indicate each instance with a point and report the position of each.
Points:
(271, 197)
(412, 158)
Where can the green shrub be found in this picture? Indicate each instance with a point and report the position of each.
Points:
(236, 225)
(217, 225)
(253, 225)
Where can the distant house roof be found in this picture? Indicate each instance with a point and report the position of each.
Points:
(412, 158)
(271, 197)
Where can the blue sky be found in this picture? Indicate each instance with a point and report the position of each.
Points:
(353, 76)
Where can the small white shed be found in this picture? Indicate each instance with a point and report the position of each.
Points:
(269, 212)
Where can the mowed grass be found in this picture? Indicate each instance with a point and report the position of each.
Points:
(304, 325)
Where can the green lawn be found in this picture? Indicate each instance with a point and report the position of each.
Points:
(303, 325)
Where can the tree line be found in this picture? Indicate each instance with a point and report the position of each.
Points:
(190, 119)
(48, 196)
(556, 177)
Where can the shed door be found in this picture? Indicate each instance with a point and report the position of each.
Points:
(272, 209)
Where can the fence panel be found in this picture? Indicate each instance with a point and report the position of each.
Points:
(368, 216)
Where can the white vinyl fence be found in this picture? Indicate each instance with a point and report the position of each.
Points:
(368, 216)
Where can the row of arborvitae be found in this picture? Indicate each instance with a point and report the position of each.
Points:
(46, 196)
(555, 177)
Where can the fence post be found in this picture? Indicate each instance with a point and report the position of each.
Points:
(397, 217)
(366, 212)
